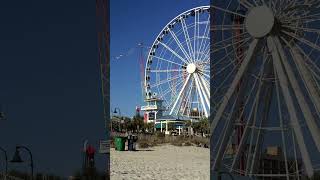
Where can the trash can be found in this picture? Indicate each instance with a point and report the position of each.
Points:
(119, 143)
(130, 143)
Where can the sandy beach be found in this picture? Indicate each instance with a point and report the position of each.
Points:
(161, 163)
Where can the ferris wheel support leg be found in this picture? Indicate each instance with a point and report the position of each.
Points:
(246, 130)
(309, 118)
(182, 90)
(266, 109)
(203, 90)
(307, 77)
(200, 91)
(243, 68)
(205, 87)
(284, 84)
(234, 85)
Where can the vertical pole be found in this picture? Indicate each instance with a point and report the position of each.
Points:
(103, 30)
(166, 126)
(240, 126)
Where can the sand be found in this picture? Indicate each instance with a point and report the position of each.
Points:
(161, 163)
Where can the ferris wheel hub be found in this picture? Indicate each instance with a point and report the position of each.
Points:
(260, 21)
(191, 68)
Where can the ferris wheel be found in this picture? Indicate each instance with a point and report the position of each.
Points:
(265, 63)
(177, 67)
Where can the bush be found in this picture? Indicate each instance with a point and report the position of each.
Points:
(160, 134)
(144, 144)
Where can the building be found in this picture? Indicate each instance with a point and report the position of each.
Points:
(153, 110)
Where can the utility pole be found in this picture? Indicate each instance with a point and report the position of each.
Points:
(103, 29)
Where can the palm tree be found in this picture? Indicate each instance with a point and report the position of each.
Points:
(138, 122)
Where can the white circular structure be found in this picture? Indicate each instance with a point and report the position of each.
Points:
(266, 88)
(177, 66)
(191, 68)
(260, 21)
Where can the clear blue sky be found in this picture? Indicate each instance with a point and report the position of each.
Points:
(133, 22)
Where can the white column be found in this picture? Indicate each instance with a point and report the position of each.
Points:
(161, 126)
(167, 127)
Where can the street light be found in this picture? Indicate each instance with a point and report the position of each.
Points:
(115, 112)
(17, 158)
(6, 159)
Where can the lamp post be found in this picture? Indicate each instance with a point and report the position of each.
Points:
(6, 159)
(115, 112)
(17, 158)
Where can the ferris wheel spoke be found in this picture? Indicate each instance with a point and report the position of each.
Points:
(281, 126)
(187, 37)
(224, 81)
(250, 117)
(189, 98)
(173, 52)
(234, 84)
(225, 136)
(203, 98)
(180, 45)
(166, 70)
(313, 30)
(230, 52)
(306, 76)
(307, 58)
(224, 68)
(204, 74)
(231, 38)
(217, 49)
(205, 34)
(308, 17)
(227, 27)
(163, 59)
(227, 11)
(170, 89)
(165, 81)
(315, 131)
(315, 66)
(205, 86)
(205, 52)
(179, 95)
(246, 4)
(196, 35)
(304, 41)
(187, 101)
(290, 106)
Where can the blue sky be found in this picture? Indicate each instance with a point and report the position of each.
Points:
(133, 22)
